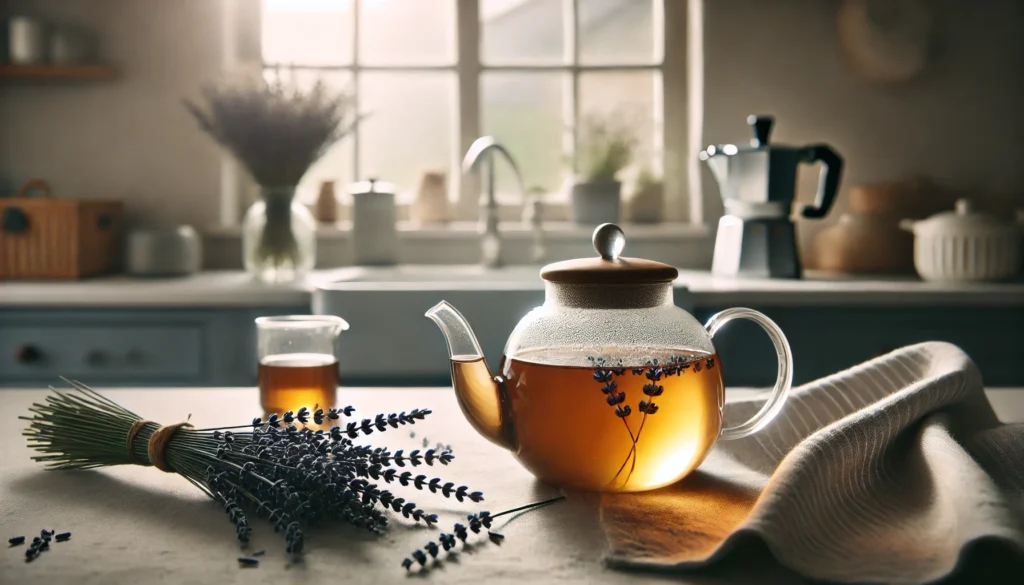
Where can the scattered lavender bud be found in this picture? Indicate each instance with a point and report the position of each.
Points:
(16, 540)
(248, 561)
(259, 553)
(63, 536)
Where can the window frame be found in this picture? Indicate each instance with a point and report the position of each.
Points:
(676, 43)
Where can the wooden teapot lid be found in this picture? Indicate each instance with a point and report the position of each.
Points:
(609, 267)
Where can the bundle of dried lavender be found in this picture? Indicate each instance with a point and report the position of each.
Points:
(279, 468)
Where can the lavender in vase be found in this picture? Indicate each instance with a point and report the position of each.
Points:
(276, 130)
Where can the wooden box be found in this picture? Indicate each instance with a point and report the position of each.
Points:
(42, 237)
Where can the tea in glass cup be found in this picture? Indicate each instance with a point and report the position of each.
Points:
(298, 365)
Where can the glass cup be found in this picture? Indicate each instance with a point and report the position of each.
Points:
(298, 365)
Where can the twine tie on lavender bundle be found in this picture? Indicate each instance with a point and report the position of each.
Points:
(157, 443)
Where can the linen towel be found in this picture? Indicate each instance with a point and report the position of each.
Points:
(882, 473)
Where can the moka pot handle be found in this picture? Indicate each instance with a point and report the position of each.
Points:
(828, 180)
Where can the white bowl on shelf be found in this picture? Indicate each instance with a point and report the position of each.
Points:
(965, 245)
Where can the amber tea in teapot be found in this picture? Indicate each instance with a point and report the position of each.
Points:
(605, 423)
(608, 385)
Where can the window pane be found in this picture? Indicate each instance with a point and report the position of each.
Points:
(307, 32)
(407, 32)
(616, 31)
(336, 164)
(410, 128)
(625, 99)
(524, 112)
(521, 32)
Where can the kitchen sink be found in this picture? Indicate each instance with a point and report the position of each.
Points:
(391, 342)
(467, 275)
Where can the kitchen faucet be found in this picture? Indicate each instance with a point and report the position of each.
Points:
(484, 149)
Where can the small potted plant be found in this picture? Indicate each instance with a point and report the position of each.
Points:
(606, 148)
(276, 130)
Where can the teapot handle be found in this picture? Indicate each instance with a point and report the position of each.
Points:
(828, 182)
(785, 377)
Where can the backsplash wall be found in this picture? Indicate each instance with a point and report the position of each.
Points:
(960, 123)
(129, 138)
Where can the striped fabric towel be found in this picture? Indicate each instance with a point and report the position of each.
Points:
(883, 473)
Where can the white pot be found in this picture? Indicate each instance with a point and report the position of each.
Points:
(594, 203)
(27, 41)
(965, 245)
(164, 252)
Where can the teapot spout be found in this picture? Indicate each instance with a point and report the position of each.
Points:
(481, 395)
(462, 343)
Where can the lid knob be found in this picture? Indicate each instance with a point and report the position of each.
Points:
(762, 126)
(609, 241)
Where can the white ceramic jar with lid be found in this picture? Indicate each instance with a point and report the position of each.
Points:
(27, 37)
(374, 223)
(965, 245)
(176, 251)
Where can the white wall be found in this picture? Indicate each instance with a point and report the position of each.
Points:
(131, 138)
(961, 122)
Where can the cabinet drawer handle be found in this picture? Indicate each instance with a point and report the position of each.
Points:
(133, 357)
(96, 358)
(28, 354)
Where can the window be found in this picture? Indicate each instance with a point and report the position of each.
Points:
(436, 74)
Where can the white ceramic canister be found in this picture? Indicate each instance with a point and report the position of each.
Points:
(70, 44)
(374, 223)
(176, 251)
(965, 245)
(27, 41)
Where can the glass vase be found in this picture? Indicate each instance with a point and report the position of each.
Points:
(278, 237)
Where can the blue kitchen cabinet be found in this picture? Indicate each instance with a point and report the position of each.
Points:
(217, 346)
(131, 347)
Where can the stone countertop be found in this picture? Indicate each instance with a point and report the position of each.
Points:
(206, 289)
(132, 524)
(236, 289)
(821, 289)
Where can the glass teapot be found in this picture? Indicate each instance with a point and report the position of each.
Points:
(608, 386)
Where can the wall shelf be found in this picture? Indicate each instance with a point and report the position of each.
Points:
(58, 72)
